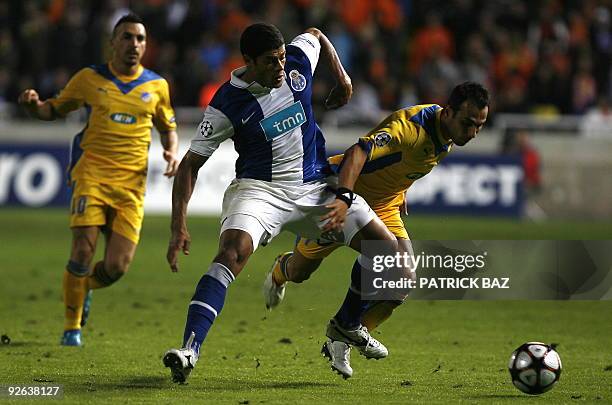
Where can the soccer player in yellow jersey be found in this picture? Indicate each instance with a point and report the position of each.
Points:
(404, 147)
(109, 162)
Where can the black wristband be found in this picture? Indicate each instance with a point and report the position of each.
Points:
(346, 195)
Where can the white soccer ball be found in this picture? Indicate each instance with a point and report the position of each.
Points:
(535, 367)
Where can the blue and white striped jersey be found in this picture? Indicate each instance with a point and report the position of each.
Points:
(274, 130)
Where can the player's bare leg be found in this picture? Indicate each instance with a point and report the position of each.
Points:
(235, 248)
(84, 239)
(118, 256)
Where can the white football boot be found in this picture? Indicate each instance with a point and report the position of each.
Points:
(181, 361)
(274, 293)
(368, 347)
(339, 354)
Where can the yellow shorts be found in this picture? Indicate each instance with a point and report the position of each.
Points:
(314, 249)
(117, 208)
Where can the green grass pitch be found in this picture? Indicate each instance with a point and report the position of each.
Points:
(440, 351)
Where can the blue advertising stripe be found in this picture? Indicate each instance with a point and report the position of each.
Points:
(34, 175)
(502, 187)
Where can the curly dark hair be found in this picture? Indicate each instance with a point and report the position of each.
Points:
(474, 92)
(259, 38)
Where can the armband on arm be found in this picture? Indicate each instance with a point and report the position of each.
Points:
(346, 195)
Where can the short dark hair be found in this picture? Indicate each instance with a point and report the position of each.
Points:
(474, 92)
(259, 38)
(128, 18)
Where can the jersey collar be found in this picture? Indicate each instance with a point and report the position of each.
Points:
(253, 87)
(124, 78)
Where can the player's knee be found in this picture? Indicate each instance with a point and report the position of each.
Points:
(233, 254)
(107, 273)
(117, 266)
(232, 257)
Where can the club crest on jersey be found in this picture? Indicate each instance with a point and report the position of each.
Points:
(382, 139)
(146, 97)
(283, 121)
(206, 129)
(298, 81)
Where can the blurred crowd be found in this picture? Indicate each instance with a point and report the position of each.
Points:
(546, 57)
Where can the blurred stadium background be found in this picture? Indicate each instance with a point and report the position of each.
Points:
(540, 169)
(544, 154)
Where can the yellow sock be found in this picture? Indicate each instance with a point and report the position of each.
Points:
(93, 284)
(74, 293)
(277, 274)
(377, 314)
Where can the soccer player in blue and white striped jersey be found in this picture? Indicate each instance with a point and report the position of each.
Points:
(282, 177)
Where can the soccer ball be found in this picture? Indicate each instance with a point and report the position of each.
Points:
(535, 367)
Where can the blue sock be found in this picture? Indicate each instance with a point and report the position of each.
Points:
(349, 314)
(207, 303)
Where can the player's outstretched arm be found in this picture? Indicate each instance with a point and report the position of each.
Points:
(343, 90)
(352, 164)
(35, 107)
(183, 186)
(169, 140)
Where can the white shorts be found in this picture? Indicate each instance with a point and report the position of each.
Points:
(264, 209)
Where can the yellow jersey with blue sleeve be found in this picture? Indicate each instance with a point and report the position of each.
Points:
(113, 147)
(404, 147)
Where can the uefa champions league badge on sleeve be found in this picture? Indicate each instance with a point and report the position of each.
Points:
(298, 81)
(206, 129)
(382, 138)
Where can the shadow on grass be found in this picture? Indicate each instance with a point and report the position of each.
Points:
(208, 384)
(144, 382)
(500, 396)
(227, 384)
(131, 383)
(19, 344)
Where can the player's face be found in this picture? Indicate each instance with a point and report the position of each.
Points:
(463, 125)
(268, 68)
(129, 43)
